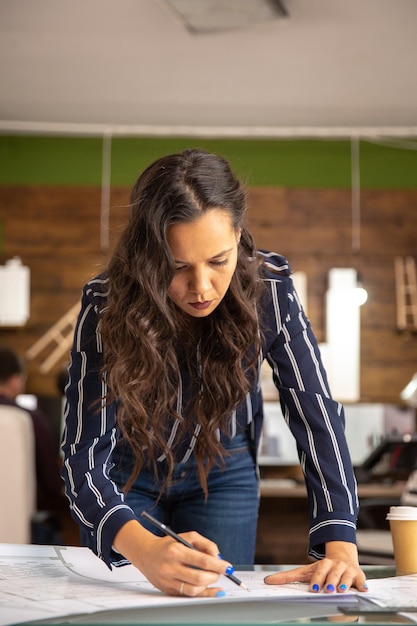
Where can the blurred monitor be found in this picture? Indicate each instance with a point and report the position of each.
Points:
(392, 460)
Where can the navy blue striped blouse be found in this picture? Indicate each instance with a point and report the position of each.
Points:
(315, 419)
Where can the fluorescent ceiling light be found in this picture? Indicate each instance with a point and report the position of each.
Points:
(205, 16)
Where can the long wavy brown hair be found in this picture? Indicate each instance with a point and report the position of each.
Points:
(147, 339)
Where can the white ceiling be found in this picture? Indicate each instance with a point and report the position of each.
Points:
(331, 63)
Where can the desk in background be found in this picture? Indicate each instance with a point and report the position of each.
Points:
(283, 514)
(287, 488)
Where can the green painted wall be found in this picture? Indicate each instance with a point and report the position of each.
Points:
(292, 163)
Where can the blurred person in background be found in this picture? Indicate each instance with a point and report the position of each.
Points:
(50, 491)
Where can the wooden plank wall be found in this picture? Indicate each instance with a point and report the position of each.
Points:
(56, 232)
(313, 228)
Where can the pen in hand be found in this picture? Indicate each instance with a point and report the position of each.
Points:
(165, 529)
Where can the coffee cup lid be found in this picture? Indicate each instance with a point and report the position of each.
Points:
(402, 513)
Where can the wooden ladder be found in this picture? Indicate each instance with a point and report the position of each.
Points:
(59, 335)
(406, 292)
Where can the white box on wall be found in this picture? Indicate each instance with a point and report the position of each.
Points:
(14, 293)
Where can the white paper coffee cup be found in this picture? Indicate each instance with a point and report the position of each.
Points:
(403, 525)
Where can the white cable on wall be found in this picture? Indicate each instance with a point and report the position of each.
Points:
(355, 193)
(105, 191)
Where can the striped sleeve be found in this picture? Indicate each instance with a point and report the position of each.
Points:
(90, 435)
(314, 418)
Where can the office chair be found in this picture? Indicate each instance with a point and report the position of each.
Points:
(17, 475)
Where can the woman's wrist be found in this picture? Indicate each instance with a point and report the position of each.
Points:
(342, 550)
(131, 541)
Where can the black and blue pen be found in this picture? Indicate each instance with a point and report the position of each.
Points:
(168, 531)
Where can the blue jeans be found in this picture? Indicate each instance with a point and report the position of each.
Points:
(229, 515)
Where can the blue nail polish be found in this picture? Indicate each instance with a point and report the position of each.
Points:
(330, 587)
(315, 587)
(220, 594)
(365, 586)
(219, 556)
(230, 569)
(343, 587)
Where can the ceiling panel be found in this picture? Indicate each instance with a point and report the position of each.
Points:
(329, 63)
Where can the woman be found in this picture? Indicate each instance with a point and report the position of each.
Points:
(164, 407)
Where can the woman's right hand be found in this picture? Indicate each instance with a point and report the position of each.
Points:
(170, 566)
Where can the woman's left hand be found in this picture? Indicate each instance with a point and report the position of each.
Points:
(338, 571)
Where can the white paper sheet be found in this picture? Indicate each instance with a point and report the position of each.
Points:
(43, 582)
